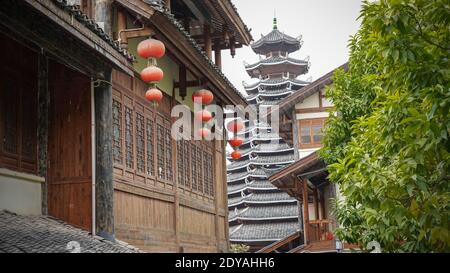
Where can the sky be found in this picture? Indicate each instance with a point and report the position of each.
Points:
(325, 27)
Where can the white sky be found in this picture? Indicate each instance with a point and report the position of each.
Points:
(325, 26)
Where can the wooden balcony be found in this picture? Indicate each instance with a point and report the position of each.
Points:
(320, 230)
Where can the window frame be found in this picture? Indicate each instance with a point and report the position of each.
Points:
(311, 123)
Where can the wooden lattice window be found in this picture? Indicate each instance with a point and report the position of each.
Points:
(180, 163)
(200, 183)
(129, 137)
(169, 150)
(117, 132)
(161, 152)
(187, 163)
(11, 105)
(194, 166)
(208, 173)
(150, 148)
(18, 133)
(140, 143)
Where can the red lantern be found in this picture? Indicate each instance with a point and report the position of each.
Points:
(154, 95)
(235, 126)
(151, 48)
(329, 236)
(235, 142)
(204, 133)
(152, 74)
(235, 155)
(203, 116)
(203, 96)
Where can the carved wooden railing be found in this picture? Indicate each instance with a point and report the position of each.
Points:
(320, 230)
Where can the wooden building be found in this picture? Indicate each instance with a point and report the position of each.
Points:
(80, 142)
(303, 115)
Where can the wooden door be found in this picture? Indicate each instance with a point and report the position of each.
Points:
(69, 151)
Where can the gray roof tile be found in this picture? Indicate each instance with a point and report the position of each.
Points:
(263, 231)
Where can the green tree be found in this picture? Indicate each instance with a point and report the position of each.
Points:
(388, 146)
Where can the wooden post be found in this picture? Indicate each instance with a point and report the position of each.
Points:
(217, 54)
(295, 133)
(42, 115)
(208, 42)
(121, 26)
(176, 203)
(187, 24)
(322, 205)
(182, 88)
(232, 46)
(216, 193)
(225, 189)
(316, 204)
(305, 210)
(168, 5)
(103, 15)
(316, 212)
(104, 184)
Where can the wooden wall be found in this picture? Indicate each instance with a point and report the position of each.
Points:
(156, 208)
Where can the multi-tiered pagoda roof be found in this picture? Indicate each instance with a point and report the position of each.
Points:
(259, 213)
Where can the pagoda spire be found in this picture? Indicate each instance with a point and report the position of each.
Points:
(275, 24)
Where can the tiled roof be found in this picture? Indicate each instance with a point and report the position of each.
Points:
(259, 197)
(41, 234)
(75, 11)
(280, 196)
(263, 231)
(264, 148)
(234, 177)
(266, 212)
(236, 187)
(275, 82)
(262, 184)
(276, 37)
(276, 60)
(269, 102)
(274, 159)
(268, 147)
(262, 160)
(258, 185)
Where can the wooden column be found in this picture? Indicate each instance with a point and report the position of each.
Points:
(182, 80)
(225, 188)
(104, 184)
(305, 210)
(316, 212)
(295, 133)
(43, 108)
(168, 5)
(316, 204)
(187, 24)
(216, 193)
(217, 54)
(322, 205)
(121, 26)
(103, 15)
(208, 41)
(232, 46)
(176, 203)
